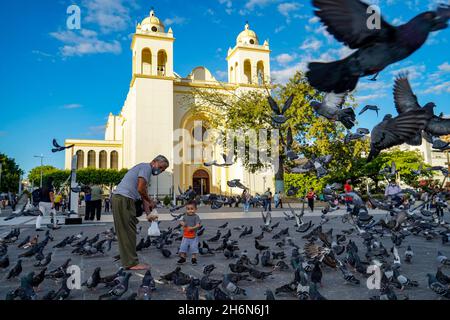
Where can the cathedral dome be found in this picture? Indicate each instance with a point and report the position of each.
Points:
(247, 36)
(152, 23)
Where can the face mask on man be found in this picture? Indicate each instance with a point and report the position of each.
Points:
(156, 171)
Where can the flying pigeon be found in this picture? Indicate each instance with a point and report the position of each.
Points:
(279, 115)
(395, 131)
(376, 48)
(58, 148)
(369, 107)
(331, 108)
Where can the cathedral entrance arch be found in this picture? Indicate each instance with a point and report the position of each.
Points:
(201, 182)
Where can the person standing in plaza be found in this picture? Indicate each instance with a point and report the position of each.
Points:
(96, 202)
(246, 200)
(310, 197)
(268, 200)
(132, 189)
(277, 200)
(107, 204)
(58, 199)
(46, 203)
(190, 224)
(348, 188)
(87, 203)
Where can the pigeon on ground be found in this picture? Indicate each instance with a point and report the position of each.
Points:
(192, 292)
(64, 292)
(16, 270)
(119, 289)
(4, 262)
(147, 286)
(94, 279)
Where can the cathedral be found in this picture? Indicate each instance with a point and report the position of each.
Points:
(156, 108)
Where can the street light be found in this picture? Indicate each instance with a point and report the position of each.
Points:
(42, 160)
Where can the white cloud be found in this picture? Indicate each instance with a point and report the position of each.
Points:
(175, 20)
(97, 129)
(370, 97)
(252, 4)
(282, 76)
(438, 89)
(279, 29)
(398, 21)
(287, 8)
(373, 85)
(311, 44)
(72, 106)
(83, 43)
(228, 3)
(313, 20)
(109, 15)
(445, 67)
(285, 58)
(414, 71)
(221, 75)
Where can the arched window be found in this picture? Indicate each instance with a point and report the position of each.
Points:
(260, 72)
(103, 159)
(91, 159)
(236, 73)
(162, 61)
(80, 159)
(114, 157)
(231, 75)
(146, 62)
(248, 71)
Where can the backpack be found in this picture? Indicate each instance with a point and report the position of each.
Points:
(36, 196)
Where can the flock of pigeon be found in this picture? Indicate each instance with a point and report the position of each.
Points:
(272, 250)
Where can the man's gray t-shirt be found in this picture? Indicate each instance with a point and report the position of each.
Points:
(129, 184)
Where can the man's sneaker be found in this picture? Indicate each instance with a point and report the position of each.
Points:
(194, 261)
(181, 261)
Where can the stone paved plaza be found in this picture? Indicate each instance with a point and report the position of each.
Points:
(334, 287)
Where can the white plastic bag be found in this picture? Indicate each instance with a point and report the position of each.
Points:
(153, 231)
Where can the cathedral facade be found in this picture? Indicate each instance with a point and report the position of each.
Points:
(156, 108)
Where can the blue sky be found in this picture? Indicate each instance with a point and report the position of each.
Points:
(58, 83)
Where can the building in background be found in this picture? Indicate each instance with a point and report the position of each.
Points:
(157, 105)
(431, 156)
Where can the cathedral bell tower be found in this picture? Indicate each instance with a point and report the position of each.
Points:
(248, 61)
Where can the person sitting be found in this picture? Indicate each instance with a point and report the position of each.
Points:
(393, 191)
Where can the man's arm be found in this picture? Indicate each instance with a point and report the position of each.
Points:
(142, 189)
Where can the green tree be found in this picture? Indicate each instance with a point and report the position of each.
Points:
(313, 135)
(34, 176)
(10, 174)
(405, 161)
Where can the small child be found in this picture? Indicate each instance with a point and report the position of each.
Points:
(190, 224)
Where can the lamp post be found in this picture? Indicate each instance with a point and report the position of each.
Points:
(42, 161)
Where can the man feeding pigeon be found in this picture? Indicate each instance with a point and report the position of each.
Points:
(132, 188)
